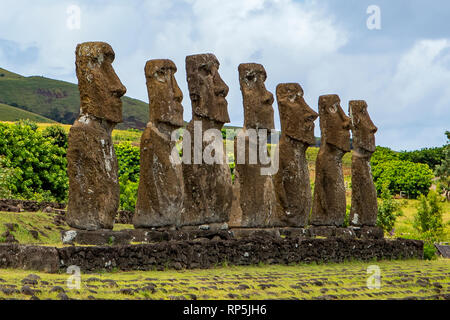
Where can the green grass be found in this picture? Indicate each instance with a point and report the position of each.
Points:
(404, 224)
(9, 113)
(59, 100)
(48, 232)
(346, 281)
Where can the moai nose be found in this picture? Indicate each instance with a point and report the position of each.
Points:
(268, 99)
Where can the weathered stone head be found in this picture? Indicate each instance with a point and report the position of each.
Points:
(207, 90)
(163, 92)
(363, 129)
(297, 118)
(258, 110)
(334, 123)
(100, 88)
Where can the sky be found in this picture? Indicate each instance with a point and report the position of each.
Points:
(397, 57)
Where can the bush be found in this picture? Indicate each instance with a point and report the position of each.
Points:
(406, 176)
(429, 215)
(128, 194)
(57, 133)
(429, 251)
(428, 222)
(388, 210)
(5, 176)
(128, 157)
(382, 154)
(38, 165)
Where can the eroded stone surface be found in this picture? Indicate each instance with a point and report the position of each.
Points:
(329, 203)
(256, 192)
(161, 187)
(364, 208)
(297, 134)
(208, 192)
(92, 163)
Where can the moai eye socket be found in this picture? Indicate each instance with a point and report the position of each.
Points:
(292, 96)
(334, 108)
(205, 69)
(160, 75)
(251, 77)
(194, 97)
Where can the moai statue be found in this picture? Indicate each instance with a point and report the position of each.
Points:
(364, 208)
(92, 163)
(207, 177)
(161, 188)
(255, 191)
(297, 134)
(329, 189)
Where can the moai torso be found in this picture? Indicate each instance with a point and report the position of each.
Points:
(92, 163)
(208, 192)
(297, 134)
(161, 189)
(364, 208)
(255, 192)
(329, 202)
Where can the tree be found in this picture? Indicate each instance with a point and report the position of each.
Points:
(388, 210)
(406, 176)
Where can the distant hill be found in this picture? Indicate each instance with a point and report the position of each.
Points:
(59, 100)
(9, 113)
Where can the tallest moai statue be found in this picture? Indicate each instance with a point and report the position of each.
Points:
(92, 163)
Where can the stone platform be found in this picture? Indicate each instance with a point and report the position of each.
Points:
(212, 232)
(204, 253)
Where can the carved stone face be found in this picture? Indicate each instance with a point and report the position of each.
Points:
(163, 92)
(258, 110)
(297, 118)
(334, 123)
(363, 129)
(206, 88)
(100, 88)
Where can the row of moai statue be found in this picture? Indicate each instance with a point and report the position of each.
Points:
(176, 194)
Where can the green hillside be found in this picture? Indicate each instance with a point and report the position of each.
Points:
(8, 113)
(59, 100)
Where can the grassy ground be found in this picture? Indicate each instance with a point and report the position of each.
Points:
(404, 224)
(399, 279)
(9, 113)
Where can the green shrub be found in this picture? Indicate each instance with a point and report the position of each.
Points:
(388, 210)
(5, 176)
(429, 251)
(398, 175)
(38, 164)
(128, 194)
(128, 157)
(57, 133)
(428, 217)
(383, 154)
(428, 222)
